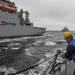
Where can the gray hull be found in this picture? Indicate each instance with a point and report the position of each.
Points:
(16, 31)
(70, 69)
(66, 71)
(13, 24)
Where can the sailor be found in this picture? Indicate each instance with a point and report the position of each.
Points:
(70, 50)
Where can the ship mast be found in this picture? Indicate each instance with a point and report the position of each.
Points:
(27, 20)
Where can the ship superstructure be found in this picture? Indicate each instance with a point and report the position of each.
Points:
(65, 29)
(13, 24)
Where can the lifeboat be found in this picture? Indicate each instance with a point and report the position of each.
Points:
(10, 8)
(1, 5)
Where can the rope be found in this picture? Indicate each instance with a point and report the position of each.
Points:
(66, 67)
(48, 70)
(44, 73)
(31, 66)
(65, 62)
(52, 66)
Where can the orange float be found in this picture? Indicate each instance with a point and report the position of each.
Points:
(9, 8)
(1, 5)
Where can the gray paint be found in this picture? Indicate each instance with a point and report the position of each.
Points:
(10, 30)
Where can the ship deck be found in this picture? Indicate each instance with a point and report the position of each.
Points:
(69, 70)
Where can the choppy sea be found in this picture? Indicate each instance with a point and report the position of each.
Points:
(19, 53)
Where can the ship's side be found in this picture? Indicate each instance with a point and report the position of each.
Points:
(13, 24)
(70, 69)
(65, 29)
(67, 69)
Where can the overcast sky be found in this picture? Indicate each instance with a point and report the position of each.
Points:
(52, 14)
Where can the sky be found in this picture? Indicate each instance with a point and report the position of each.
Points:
(51, 14)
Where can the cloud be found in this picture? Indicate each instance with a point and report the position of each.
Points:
(49, 12)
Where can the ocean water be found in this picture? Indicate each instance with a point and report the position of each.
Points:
(22, 52)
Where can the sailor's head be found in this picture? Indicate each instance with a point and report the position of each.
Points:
(68, 36)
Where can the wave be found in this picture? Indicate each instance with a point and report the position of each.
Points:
(14, 44)
(38, 70)
(15, 48)
(39, 41)
(49, 43)
(28, 51)
(15, 39)
(49, 54)
(60, 41)
(5, 40)
(7, 70)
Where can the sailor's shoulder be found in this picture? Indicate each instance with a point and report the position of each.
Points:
(70, 46)
(72, 43)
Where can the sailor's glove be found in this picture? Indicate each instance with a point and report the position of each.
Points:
(58, 51)
(62, 55)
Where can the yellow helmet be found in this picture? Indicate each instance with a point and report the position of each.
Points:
(67, 34)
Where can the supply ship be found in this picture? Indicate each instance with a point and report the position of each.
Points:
(12, 23)
(65, 29)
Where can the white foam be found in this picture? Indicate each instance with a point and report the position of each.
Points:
(15, 39)
(49, 43)
(13, 44)
(39, 37)
(62, 40)
(5, 40)
(7, 70)
(39, 41)
(48, 55)
(34, 43)
(50, 35)
(28, 51)
(16, 48)
(58, 41)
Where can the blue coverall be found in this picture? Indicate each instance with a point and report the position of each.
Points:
(70, 51)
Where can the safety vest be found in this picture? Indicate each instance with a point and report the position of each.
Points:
(73, 44)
